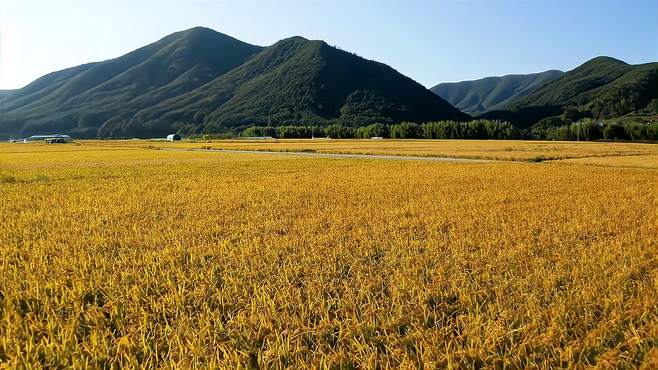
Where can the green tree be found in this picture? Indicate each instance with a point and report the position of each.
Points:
(406, 130)
(337, 131)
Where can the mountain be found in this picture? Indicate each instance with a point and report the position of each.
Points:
(492, 93)
(81, 99)
(202, 81)
(298, 81)
(601, 88)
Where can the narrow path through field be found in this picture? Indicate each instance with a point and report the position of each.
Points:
(337, 155)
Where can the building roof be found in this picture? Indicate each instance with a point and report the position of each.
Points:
(49, 136)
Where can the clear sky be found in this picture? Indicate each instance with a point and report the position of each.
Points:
(430, 41)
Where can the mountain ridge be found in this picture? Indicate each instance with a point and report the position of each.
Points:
(492, 93)
(602, 87)
(296, 80)
(162, 87)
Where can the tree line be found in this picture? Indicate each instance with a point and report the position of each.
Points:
(589, 130)
(585, 130)
(477, 129)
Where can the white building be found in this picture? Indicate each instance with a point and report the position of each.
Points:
(49, 138)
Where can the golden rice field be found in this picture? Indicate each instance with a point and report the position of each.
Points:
(515, 150)
(114, 256)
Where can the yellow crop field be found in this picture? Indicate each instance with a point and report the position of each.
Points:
(642, 161)
(481, 149)
(113, 255)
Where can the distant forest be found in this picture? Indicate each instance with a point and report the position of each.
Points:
(585, 129)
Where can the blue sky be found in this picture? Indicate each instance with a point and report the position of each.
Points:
(430, 41)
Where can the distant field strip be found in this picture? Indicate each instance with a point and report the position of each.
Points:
(471, 149)
(142, 258)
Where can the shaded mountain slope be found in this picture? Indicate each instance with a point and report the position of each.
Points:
(492, 93)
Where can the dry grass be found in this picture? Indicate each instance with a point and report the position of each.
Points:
(484, 149)
(159, 258)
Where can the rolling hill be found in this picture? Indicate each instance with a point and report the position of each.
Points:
(492, 93)
(603, 87)
(202, 81)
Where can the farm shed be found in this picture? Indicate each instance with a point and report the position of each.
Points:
(173, 137)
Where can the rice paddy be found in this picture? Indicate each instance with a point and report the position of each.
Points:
(114, 254)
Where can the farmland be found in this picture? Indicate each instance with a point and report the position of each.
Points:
(643, 155)
(114, 253)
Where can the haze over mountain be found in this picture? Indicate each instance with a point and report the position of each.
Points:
(492, 93)
(200, 80)
(600, 88)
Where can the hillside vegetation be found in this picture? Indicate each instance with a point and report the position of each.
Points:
(297, 80)
(492, 93)
(601, 88)
(203, 81)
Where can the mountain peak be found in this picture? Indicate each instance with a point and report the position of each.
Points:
(199, 29)
(201, 34)
(605, 59)
(295, 40)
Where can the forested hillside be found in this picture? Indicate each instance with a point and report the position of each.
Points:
(492, 93)
(201, 81)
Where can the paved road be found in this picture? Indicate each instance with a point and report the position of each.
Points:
(335, 155)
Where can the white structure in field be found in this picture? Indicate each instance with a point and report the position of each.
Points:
(173, 137)
(50, 139)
